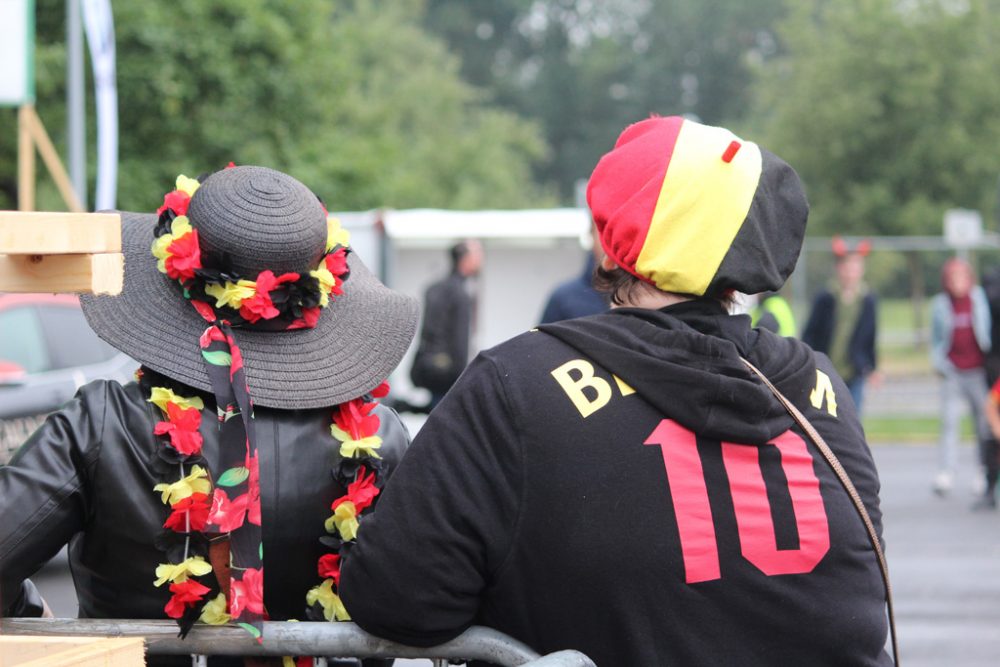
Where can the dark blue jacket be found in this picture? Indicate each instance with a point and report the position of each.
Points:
(575, 298)
(818, 333)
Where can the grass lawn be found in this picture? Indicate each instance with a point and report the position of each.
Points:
(909, 429)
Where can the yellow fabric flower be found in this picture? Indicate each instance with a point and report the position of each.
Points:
(351, 448)
(335, 234)
(215, 612)
(179, 227)
(159, 249)
(195, 566)
(161, 396)
(332, 605)
(344, 520)
(188, 185)
(196, 482)
(232, 294)
(327, 281)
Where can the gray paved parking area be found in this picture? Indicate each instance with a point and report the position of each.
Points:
(944, 561)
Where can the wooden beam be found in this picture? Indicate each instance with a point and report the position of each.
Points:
(71, 652)
(52, 160)
(92, 273)
(45, 233)
(25, 161)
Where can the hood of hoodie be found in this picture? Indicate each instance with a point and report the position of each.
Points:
(684, 360)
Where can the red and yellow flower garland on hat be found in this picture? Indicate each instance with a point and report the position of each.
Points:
(240, 299)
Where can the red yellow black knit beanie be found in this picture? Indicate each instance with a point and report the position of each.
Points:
(693, 209)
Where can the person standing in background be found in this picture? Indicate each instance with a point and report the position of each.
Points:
(578, 297)
(449, 306)
(843, 321)
(960, 339)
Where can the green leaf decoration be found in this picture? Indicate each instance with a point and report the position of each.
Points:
(227, 414)
(217, 358)
(233, 476)
(260, 551)
(249, 628)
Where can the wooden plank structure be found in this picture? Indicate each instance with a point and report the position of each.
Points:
(31, 135)
(71, 652)
(61, 252)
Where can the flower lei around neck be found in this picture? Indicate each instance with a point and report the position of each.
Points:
(292, 300)
(197, 499)
(194, 501)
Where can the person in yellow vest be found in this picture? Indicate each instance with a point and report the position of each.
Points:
(773, 313)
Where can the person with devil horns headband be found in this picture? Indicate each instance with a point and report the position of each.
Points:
(226, 483)
(843, 321)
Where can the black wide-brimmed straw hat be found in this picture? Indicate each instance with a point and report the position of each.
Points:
(248, 222)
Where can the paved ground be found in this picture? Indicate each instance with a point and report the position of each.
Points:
(944, 561)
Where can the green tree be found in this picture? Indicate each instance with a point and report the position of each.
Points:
(353, 98)
(887, 110)
(585, 69)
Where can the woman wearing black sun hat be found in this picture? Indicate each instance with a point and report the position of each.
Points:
(227, 482)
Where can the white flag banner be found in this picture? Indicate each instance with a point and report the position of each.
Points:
(100, 29)
(17, 50)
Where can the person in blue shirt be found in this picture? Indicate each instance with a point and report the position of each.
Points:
(577, 297)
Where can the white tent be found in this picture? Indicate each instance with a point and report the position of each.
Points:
(527, 253)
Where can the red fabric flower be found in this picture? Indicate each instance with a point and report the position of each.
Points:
(183, 256)
(206, 311)
(210, 335)
(381, 391)
(186, 594)
(235, 356)
(177, 201)
(252, 464)
(227, 515)
(336, 263)
(329, 567)
(309, 319)
(183, 429)
(247, 593)
(253, 490)
(361, 491)
(194, 507)
(260, 306)
(353, 417)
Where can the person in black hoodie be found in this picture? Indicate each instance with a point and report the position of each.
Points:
(448, 322)
(621, 484)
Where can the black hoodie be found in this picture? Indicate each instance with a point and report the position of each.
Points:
(620, 485)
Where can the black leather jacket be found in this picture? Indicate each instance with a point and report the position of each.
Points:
(86, 477)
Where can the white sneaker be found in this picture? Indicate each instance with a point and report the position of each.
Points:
(943, 483)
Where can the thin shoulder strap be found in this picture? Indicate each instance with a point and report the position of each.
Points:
(859, 505)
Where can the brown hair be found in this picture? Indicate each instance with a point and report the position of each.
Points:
(620, 285)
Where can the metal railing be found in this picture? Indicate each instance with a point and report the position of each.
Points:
(292, 638)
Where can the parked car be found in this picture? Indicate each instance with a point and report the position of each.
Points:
(47, 351)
